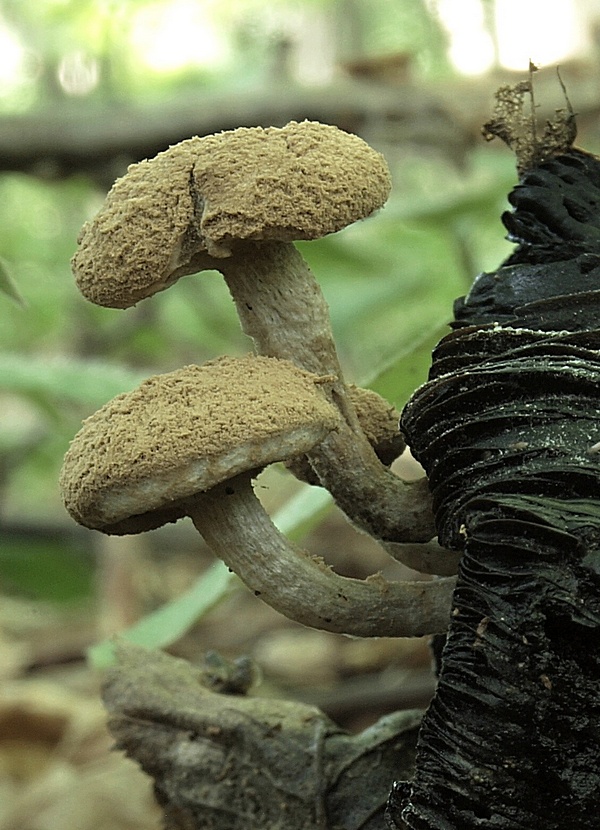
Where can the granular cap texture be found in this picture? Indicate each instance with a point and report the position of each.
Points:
(377, 417)
(301, 181)
(183, 432)
(128, 250)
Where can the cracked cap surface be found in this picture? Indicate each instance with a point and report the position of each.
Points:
(183, 210)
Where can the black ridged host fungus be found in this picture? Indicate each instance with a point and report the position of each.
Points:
(507, 428)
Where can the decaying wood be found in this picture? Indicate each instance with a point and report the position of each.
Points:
(232, 761)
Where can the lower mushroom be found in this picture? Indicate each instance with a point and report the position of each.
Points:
(188, 444)
(238, 530)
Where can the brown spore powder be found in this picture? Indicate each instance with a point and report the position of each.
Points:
(302, 181)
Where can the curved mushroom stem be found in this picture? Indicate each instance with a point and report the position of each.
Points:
(282, 309)
(372, 496)
(428, 558)
(236, 527)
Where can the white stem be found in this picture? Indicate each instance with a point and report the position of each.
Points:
(281, 307)
(238, 530)
(371, 495)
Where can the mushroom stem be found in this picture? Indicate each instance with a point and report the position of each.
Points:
(428, 558)
(236, 527)
(282, 309)
(372, 496)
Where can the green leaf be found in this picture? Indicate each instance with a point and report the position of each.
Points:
(87, 383)
(45, 568)
(302, 512)
(8, 286)
(397, 381)
(168, 623)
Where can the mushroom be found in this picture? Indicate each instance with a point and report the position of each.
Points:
(234, 202)
(189, 442)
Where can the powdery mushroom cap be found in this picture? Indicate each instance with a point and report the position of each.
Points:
(301, 181)
(134, 462)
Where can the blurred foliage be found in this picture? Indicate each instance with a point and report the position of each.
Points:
(70, 43)
(8, 285)
(48, 570)
(390, 281)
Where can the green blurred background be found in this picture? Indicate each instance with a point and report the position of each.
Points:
(89, 86)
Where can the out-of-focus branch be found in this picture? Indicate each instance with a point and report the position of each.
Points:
(385, 109)
(100, 141)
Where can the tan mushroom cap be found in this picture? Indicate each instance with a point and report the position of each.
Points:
(301, 181)
(134, 462)
(379, 420)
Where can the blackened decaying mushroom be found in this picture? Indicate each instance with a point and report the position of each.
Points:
(182, 445)
(507, 428)
(234, 202)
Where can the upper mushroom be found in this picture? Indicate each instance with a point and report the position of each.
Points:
(301, 181)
